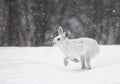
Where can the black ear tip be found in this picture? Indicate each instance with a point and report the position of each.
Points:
(60, 28)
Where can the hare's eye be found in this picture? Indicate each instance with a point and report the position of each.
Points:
(58, 39)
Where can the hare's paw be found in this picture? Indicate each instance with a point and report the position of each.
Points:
(66, 62)
(75, 60)
(88, 68)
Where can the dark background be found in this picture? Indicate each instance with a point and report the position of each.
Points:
(35, 22)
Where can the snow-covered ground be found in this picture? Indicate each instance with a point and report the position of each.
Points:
(44, 65)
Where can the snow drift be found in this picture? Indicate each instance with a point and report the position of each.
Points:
(44, 65)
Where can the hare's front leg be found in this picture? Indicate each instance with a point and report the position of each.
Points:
(66, 61)
(82, 59)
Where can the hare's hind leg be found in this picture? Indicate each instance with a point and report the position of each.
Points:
(87, 62)
(66, 61)
(75, 60)
(82, 59)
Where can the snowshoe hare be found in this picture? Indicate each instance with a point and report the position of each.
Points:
(76, 50)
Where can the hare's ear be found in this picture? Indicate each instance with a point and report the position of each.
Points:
(66, 34)
(60, 30)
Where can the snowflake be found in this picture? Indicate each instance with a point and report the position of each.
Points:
(43, 13)
(117, 24)
(31, 11)
(94, 25)
(113, 11)
(34, 13)
(107, 9)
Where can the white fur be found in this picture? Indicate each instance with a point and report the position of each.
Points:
(82, 48)
(79, 47)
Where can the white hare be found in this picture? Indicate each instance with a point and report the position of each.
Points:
(76, 50)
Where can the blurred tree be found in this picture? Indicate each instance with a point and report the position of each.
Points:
(35, 22)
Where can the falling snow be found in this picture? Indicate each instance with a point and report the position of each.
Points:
(113, 11)
(35, 22)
